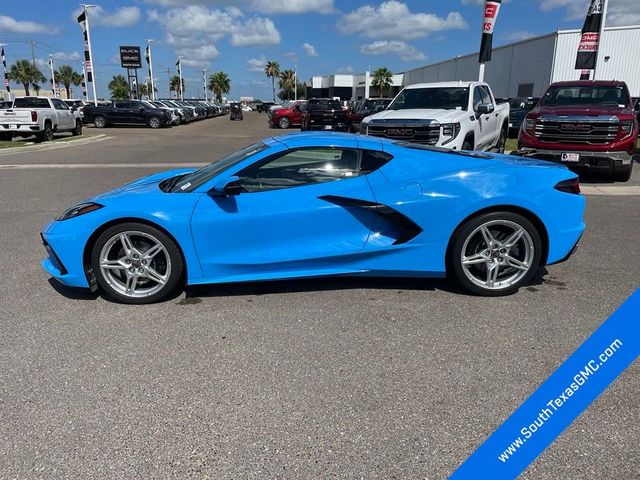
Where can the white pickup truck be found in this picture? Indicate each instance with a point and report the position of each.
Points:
(456, 115)
(39, 116)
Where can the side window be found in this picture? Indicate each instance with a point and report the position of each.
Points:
(486, 96)
(301, 167)
(477, 98)
(58, 104)
(122, 104)
(373, 160)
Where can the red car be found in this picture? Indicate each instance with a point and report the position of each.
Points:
(289, 116)
(589, 125)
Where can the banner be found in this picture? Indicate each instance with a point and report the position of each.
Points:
(491, 10)
(560, 399)
(590, 40)
(82, 21)
(6, 74)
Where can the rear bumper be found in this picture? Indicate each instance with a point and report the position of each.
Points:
(605, 161)
(21, 128)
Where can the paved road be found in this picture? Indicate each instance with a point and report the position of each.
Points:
(304, 379)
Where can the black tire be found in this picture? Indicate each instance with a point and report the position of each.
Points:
(467, 145)
(154, 122)
(78, 130)
(47, 134)
(99, 121)
(177, 264)
(502, 141)
(469, 231)
(623, 175)
(284, 123)
(6, 137)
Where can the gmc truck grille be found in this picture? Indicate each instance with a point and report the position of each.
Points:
(427, 135)
(594, 133)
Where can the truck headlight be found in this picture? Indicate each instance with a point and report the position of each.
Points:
(529, 126)
(627, 128)
(451, 131)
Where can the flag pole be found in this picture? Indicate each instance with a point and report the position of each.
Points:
(93, 72)
(180, 78)
(53, 76)
(85, 94)
(604, 20)
(295, 83)
(153, 90)
(4, 65)
(204, 83)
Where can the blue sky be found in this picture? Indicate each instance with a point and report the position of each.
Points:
(319, 36)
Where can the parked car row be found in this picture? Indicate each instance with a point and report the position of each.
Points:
(153, 113)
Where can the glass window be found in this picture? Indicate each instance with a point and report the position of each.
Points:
(486, 96)
(587, 95)
(59, 104)
(301, 167)
(431, 98)
(322, 104)
(477, 98)
(30, 102)
(123, 104)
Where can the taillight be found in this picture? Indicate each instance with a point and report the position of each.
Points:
(34, 116)
(569, 186)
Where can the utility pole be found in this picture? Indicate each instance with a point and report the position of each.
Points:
(33, 51)
(53, 77)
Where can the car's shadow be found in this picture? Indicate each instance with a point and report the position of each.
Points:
(322, 284)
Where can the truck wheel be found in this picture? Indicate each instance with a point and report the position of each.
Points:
(284, 123)
(78, 130)
(623, 175)
(6, 137)
(502, 141)
(99, 121)
(47, 134)
(154, 122)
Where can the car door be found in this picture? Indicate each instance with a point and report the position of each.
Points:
(481, 124)
(66, 119)
(120, 113)
(295, 214)
(491, 120)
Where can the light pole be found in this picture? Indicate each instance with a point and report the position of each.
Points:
(153, 92)
(180, 78)
(204, 83)
(53, 76)
(85, 6)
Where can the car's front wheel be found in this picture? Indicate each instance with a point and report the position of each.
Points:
(99, 121)
(284, 123)
(154, 122)
(496, 253)
(136, 263)
(78, 129)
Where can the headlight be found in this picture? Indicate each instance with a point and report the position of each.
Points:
(78, 210)
(627, 128)
(529, 126)
(451, 131)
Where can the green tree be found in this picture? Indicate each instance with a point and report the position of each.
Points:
(174, 85)
(287, 83)
(67, 76)
(272, 70)
(219, 84)
(119, 87)
(25, 73)
(381, 79)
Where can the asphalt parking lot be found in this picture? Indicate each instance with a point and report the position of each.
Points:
(331, 378)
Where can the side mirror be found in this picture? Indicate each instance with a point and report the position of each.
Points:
(226, 186)
(485, 108)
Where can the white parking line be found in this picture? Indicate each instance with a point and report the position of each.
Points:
(44, 166)
(610, 190)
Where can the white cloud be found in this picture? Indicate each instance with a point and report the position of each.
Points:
(394, 20)
(405, 51)
(620, 12)
(121, 17)
(310, 50)
(256, 64)
(10, 24)
(68, 56)
(255, 32)
(262, 6)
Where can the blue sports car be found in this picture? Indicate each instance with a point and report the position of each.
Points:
(318, 204)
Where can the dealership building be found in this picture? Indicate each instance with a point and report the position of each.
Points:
(519, 69)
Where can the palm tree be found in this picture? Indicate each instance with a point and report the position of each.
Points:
(25, 73)
(382, 78)
(144, 90)
(220, 84)
(36, 87)
(67, 76)
(287, 83)
(174, 84)
(272, 70)
(119, 87)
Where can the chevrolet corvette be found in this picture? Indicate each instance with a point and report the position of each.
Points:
(322, 204)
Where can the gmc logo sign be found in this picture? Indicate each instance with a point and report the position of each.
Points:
(400, 132)
(575, 127)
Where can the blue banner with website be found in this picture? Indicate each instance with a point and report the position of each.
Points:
(560, 399)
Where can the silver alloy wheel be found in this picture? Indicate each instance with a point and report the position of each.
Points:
(497, 254)
(100, 122)
(154, 122)
(135, 264)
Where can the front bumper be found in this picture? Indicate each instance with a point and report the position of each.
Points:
(589, 160)
(64, 260)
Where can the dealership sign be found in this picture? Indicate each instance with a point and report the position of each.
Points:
(130, 57)
(491, 10)
(590, 39)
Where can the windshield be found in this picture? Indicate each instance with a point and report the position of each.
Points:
(606, 95)
(324, 105)
(431, 99)
(199, 177)
(30, 102)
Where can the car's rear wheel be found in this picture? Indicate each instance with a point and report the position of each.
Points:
(136, 263)
(284, 123)
(78, 130)
(502, 141)
(496, 253)
(154, 122)
(47, 134)
(99, 121)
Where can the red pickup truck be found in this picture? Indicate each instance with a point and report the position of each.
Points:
(288, 116)
(583, 124)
